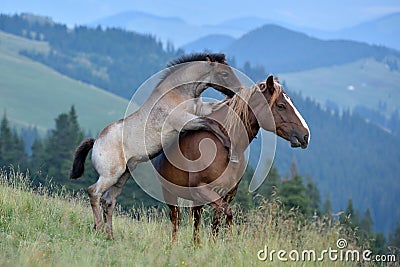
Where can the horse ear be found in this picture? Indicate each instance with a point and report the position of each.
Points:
(208, 58)
(270, 83)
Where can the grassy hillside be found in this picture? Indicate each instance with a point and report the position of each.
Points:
(38, 229)
(33, 94)
(364, 82)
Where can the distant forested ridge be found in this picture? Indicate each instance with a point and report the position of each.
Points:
(270, 47)
(113, 59)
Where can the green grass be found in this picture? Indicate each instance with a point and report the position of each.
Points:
(42, 229)
(33, 94)
(372, 82)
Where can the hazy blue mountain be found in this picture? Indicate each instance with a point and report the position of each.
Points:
(173, 29)
(383, 31)
(213, 42)
(128, 18)
(170, 29)
(283, 50)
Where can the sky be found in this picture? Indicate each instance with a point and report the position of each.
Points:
(317, 14)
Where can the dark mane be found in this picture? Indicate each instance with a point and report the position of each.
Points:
(173, 64)
(214, 57)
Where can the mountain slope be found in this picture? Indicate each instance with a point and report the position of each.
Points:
(168, 29)
(33, 94)
(283, 50)
(212, 42)
(114, 59)
(381, 31)
(365, 82)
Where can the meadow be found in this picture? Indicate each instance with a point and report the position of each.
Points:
(39, 228)
(33, 94)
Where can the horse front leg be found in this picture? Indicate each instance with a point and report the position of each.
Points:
(197, 211)
(172, 202)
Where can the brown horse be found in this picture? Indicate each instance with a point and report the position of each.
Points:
(216, 184)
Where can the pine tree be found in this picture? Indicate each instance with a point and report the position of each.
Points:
(293, 195)
(293, 168)
(60, 145)
(379, 246)
(394, 238)
(366, 224)
(313, 194)
(12, 147)
(243, 196)
(37, 160)
(327, 207)
(271, 184)
(5, 141)
(350, 217)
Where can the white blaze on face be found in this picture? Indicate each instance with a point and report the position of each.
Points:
(303, 122)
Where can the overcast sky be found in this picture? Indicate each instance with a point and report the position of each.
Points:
(319, 14)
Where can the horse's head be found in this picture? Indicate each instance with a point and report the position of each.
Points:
(289, 124)
(223, 77)
(205, 70)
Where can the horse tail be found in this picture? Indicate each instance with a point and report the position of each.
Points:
(78, 166)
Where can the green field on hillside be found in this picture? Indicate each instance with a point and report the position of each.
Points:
(33, 94)
(42, 229)
(365, 82)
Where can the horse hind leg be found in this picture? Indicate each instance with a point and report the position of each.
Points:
(174, 217)
(205, 195)
(109, 201)
(220, 206)
(228, 199)
(95, 192)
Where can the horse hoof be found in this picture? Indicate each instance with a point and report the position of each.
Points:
(97, 227)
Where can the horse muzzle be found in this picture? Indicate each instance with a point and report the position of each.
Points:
(296, 141)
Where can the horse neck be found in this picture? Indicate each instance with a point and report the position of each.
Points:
(240, 142)
(187, 78)
(252, 130)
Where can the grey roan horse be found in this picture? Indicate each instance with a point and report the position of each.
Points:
(123, 144)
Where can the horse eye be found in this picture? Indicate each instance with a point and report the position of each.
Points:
(224, 74)
(281, 106)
